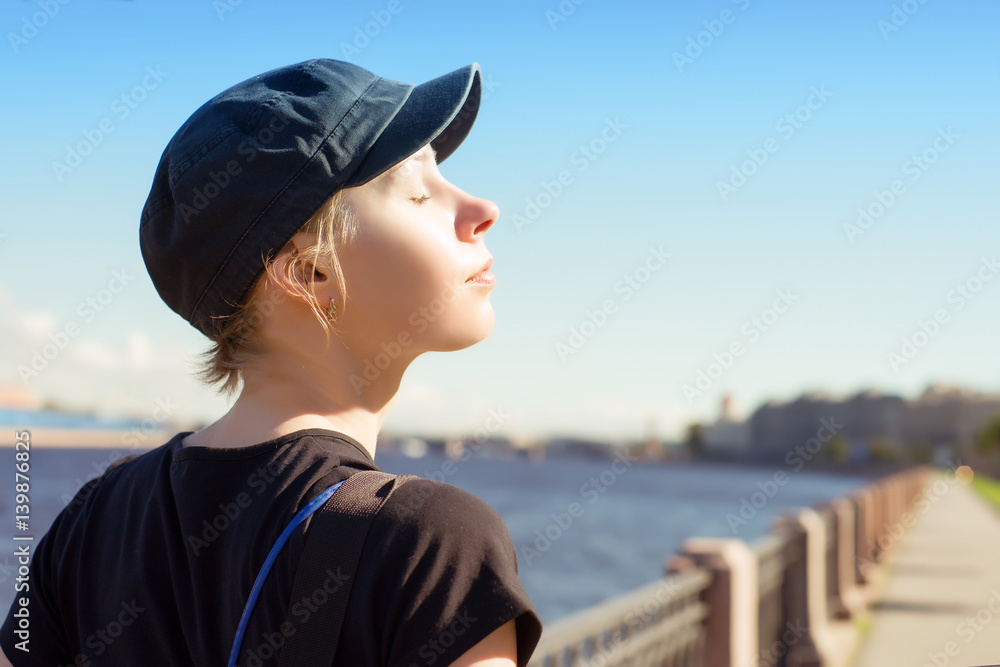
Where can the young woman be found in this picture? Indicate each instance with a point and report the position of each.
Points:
(299, 220)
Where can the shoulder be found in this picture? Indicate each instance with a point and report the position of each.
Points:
(86, 495)
(426, 507)
(129, 470)
(438, 539)
(445, 575)
(104, 490)
(103, 499)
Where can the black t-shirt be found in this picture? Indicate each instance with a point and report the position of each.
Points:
(152, 563)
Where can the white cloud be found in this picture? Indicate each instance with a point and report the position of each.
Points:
(139, 350)
(97, 355)
(118, 373)
(39, 323)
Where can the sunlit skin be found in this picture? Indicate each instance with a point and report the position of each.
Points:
(498, 649)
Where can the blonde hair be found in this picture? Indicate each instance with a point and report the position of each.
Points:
(236, 344)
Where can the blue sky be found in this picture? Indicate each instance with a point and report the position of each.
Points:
(740, 138)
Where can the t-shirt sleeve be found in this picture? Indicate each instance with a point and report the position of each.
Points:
(447, 576)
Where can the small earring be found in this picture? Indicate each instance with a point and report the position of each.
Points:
(332, 311)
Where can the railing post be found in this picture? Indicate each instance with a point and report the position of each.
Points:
(882, 513)
(809, 643)
(895, 502)
(892, 515)
(732, 598)
(847, 598)
(864, 536)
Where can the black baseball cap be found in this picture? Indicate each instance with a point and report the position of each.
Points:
(252, 165)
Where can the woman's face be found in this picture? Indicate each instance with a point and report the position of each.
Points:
(419, 241)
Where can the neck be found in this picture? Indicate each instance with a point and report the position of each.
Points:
(284, 392)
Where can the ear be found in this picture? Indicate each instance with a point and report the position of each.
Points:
(293, 271)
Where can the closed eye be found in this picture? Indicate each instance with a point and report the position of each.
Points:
(420, 200)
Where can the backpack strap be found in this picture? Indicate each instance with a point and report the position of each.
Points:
(328, 565)
(258, 584)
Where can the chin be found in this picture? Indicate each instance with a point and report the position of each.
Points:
(467, 331)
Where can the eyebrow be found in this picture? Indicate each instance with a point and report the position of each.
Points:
(419, 156)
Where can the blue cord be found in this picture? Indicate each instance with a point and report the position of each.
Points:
(313, 505)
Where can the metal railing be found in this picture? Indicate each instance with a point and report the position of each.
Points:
(670, 622)
(661, 623)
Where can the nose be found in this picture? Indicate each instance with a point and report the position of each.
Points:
(475, 216)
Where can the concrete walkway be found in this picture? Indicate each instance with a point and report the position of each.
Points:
(940, 603)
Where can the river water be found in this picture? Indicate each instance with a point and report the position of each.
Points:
(585, 529)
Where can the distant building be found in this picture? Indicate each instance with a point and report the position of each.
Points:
(727, 437)
(946, 414)
(450, 447)
(494, 446)
(579, 447)
(866, 423)
(777, 428)
(942, 415)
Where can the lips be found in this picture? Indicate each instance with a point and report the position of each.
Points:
(484, 267)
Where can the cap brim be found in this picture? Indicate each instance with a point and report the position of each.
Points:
(439, 112)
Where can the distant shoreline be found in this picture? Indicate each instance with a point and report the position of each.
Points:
(88, 438)
(137, 441)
